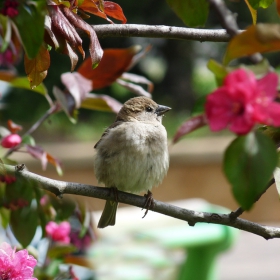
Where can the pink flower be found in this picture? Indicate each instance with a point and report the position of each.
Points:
(16, 265)
(59, 232)
(242, 102)
(11, 141)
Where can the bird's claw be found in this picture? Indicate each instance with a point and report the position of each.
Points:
(149, 203)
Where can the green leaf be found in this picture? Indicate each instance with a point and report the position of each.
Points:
(67, 103)
(248, 164)
(29, 140)
(192, 12)
(262, 37)
(52, 268)
(6, 32)
(21, 189)
(24, 223)
(23, 82)
(218, 70)
(5, 217)
(252, 11)
(255, 4)
(199, 105)
(64, 208)
(61, 250)
(30, 23)
(101, 102)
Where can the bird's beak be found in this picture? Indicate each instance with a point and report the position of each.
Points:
(162, 109)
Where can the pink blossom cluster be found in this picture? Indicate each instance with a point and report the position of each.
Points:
(16, 265)
(243, 101)
(59, 232)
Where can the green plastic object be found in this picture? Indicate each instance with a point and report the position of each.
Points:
(203, 244)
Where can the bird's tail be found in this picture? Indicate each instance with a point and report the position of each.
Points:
(108, 217)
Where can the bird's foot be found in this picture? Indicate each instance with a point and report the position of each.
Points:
(114, 191)
(149, 203)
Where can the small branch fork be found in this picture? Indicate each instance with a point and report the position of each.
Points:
(192, 217)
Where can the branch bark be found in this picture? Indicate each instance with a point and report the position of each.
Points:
(192, 217)
(161, 31)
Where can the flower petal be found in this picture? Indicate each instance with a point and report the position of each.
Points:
(268, 85)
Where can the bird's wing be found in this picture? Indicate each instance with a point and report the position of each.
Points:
(115, 124)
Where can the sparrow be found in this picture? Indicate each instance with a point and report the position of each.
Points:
(132, 154)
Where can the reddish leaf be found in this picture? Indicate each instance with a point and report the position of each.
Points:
(61, 26)
(7, 75)
(256, 38)
(54, 39)
(138, 80)
(189, 126)
(37, 68)
(112, 65)
(134, 88)
(95, 49)
(39, 153)
(91, 7)
(66, 101)
(77, 85)
(78, 260)
(101, 102)
(114, 10)
(278, 7)
(13, 127)
(72, 55)
(54, 161)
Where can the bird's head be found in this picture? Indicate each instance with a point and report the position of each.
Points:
(142, 109)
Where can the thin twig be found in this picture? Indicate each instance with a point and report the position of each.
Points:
(51, 111)
(192, 217)
(160, 31)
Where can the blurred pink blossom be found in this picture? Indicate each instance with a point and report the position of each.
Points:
(59, 232)
(44, 200)
(242, 102)
(10, 141)
(16, 265)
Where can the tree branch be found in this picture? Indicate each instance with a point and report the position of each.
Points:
(160, 31)
(192, 217)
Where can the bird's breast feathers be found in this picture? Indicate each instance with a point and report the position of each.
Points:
(132, 156)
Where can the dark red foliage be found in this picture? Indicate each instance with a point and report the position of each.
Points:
(10, 8)
(8, 179)
(16, 204)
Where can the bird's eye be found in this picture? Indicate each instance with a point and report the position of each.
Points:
(149, 109)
